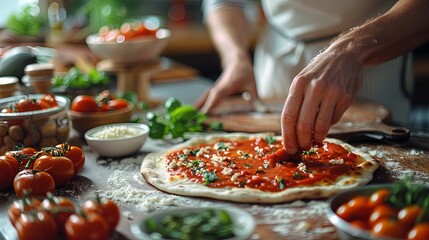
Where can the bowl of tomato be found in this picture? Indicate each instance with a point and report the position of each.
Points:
(87, 111)
(381, 211)
(33, 120)
(132, 42)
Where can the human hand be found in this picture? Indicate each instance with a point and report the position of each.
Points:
(236, 78)
(318, 97)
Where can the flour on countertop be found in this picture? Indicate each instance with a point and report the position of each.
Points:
(126, 186)
(393, 165)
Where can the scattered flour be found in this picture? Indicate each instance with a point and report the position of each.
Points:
(392, 163)
(126, 187)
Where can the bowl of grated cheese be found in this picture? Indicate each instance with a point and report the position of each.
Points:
(117, 139)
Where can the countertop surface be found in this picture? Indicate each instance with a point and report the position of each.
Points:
(120, 180)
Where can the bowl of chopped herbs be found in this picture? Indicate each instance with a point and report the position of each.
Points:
(195, 223)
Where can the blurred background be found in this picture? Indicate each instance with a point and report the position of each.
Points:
(70, 21)
(64, 24)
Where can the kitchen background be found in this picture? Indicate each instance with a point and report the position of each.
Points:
(72, 20)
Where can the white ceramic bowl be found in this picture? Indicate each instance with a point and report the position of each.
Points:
(109, 141)
(245, 223)
(130, 51)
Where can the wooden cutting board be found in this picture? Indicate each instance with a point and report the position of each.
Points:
(362, 119)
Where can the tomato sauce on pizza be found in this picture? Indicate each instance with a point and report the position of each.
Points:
(259, 163)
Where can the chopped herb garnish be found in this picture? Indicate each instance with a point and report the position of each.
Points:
(194, 152)
(183, 157)
(242, 184)
(222, 146)
(296, 175)
(209, 177)
(195, 166)
(245, 155)
(248, 165)
(260, 171)
(270, 140)
(309, 152)
(281, 182)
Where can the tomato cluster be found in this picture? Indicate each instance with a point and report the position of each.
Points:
(41, 171)
(103, 102)
(31, 104)
(127, 31)
(52, 216)
(376, 214)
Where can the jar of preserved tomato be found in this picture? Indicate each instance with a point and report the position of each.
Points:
(39, 128)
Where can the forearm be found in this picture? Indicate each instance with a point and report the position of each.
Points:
(401, 29)
(230, 33)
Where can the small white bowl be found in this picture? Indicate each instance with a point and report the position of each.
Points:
(109, 144)
(130, 51)
(244, 221)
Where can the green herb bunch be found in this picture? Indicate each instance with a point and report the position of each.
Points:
(76, 79)
(26, 22)
(176, 119)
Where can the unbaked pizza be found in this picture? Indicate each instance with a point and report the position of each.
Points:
(255, 168)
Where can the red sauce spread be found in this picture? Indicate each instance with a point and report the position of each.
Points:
(259, 163)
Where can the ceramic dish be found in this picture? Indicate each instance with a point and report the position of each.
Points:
(117, 140)
(344, 229)
(244, 223)
(130, 51)
(82, 121)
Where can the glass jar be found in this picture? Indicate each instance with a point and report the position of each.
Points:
(43, 128)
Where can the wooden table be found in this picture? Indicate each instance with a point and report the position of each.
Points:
(120, 179)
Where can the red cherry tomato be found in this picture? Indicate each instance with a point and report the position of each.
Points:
(408, 215)
(383, 211)
(360, 224)
(35, 226)
(22, 156)
(21, 206)
(75, 154)
(91, 227)
(118, 103)
(28, 105)
(7, 174)
(108, 209)
(355, 209)
(84, 103)
(104, 108)
(378, 197)
(61, 209)
(60, 168)
(388, 228)
(419, 232)
(12, 161)
(48, 101)
(39, 183)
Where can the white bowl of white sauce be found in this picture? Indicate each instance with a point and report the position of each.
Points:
(117, 139)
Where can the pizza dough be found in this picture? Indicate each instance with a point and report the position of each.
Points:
(157, 170)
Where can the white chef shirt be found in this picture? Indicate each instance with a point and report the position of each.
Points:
(298, 30)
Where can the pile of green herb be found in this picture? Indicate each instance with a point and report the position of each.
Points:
(176, 119)
(76, 79)
(208, 224)
(26, 22)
